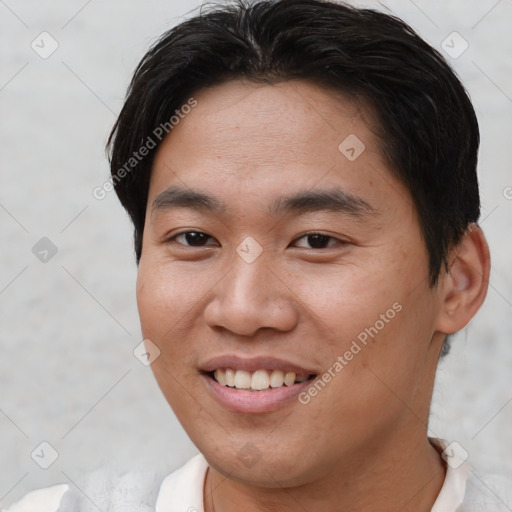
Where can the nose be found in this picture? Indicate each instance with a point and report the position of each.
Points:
(252, 296)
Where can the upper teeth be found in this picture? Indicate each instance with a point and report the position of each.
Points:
(258, 380)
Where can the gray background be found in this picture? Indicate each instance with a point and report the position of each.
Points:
(68, 326)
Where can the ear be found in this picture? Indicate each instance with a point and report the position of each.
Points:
(464, 286)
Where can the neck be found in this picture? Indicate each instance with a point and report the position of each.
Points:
(406, 475)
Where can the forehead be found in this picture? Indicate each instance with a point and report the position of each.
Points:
(251, 140)
(292, 116)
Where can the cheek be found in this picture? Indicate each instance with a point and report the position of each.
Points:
(169, 305)
(378, 320)
(152, 300)
(383, 357)
(345, 299)
(158, 309)
(162, 297)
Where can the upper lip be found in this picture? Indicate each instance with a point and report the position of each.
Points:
(252, 364)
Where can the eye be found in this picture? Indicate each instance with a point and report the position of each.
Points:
(318, 240)
(191, 238)
(199, 239)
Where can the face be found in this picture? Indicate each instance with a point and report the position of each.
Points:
(304, 261)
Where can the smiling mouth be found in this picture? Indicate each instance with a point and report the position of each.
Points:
(260, 380)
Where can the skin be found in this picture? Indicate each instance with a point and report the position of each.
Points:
(361, 443)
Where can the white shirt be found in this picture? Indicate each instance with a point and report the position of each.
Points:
(182, 491)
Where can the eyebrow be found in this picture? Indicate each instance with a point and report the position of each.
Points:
(331, 199)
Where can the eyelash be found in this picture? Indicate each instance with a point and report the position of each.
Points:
(312, 233)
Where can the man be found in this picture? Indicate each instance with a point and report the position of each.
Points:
(301, 176)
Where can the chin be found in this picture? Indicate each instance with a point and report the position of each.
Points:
(263, 467)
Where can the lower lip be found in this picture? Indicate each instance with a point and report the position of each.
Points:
(267, 400)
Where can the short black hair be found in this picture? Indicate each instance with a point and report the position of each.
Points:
(428, 129)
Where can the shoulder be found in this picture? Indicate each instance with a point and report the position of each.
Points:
(43, 500)
(137, 490)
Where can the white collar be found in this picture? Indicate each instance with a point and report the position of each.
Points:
(182, 491)
(454, 486)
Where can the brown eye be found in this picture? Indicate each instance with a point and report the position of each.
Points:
(317, 240)
(191, 238)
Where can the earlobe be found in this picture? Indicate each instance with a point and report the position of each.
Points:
(464, 286)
